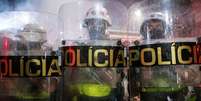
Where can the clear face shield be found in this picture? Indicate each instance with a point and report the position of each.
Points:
(153, 29)
(96, 28)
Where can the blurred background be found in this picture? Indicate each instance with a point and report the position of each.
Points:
(183, 11)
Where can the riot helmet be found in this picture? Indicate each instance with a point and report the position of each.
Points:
(97, 21)
(155, 27)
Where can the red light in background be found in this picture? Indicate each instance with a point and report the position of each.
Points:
(5, 43)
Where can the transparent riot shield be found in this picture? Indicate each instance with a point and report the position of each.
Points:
(28, 43)
(95, 25)
(163, 25)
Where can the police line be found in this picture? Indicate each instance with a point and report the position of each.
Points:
(185, 53)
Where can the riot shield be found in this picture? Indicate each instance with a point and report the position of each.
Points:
(165, 26)
(28, 41)
(89, 28)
